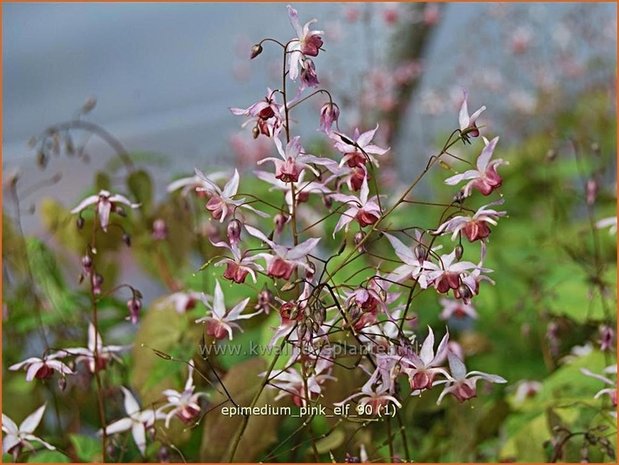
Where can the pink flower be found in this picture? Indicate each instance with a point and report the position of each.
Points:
(377, 397)
(137, 420)
(42, 368)
(425, 366)
(474, 227)
(17, 437)
(527, 389)
(363, 209)
(309, 78)
(106, 203)
(329, 114)
(446, 274)
(284, 260)
(239, 266)
(302, 189)
(358, 149)
(307, 42)
(467, 123)
(104, 353)
(291, 383)
(192, 183)
(221, 321)
(267, 115)
(412, 266)
(185, 301)
(221, 201)
(295, 160)
(462, 385)
(485, 178)
(184, 404)
(457, 309)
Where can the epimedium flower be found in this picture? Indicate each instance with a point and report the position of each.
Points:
(485, 178)
(284, 260)
(456, 309)
(183, 301)
(294, 160)
(445, 275)
(309, 78)
(329, 115)
(307, 43)
(376, 395)
(15, 438)
(137, 420)
(364, 209)
(104, 354)
(468, 126)
(463, 385)
(105, 203)
(424, 366)
(474, 227)
(192, 183)
(413, 260)
(302, 189)
(42, 368)
(610, 223)
(221, 201)
(240, 265)
(267, 115)
(220, 321)
(359, 148)
(185, 404)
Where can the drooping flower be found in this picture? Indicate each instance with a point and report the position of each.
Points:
(445, 275)
(221, 201)
(468, 123)
(105, 203)
(240, 265)
(183, 301)
(220, 321)
(17, 437)
(137, 420)
(412, 260)
(267, 114)
(358, 149)
(456, 309)
(309, 78)
(474, 227)
(104, 354)
(184, 405)
(423, 367)
(329, 115)
(377, 396)
(485, 178)
(284, 260)
(302, 189)
(463, 385)
(42, 368)
(363, 209)
(295, 160)
(527, 389)
(307, 43)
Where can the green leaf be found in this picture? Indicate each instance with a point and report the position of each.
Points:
(48, 456)
(141, 187)
(331, 442)
(87, 449)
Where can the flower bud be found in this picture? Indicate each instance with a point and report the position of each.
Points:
(87, 264)
(255, 51)
(255, 132)
(79, 222)
(120, 211)
(592, 190)
(134, 305)
(329, 114)
(264, 300)
(309, 274)
(358, 239)
(280, 221)
(421, 252)
(160, 230)
(127, 239)
(62, 383)
(96, 282)
(459, 251)
(234, 231)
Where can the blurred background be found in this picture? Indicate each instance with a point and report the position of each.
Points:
(164, 75)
